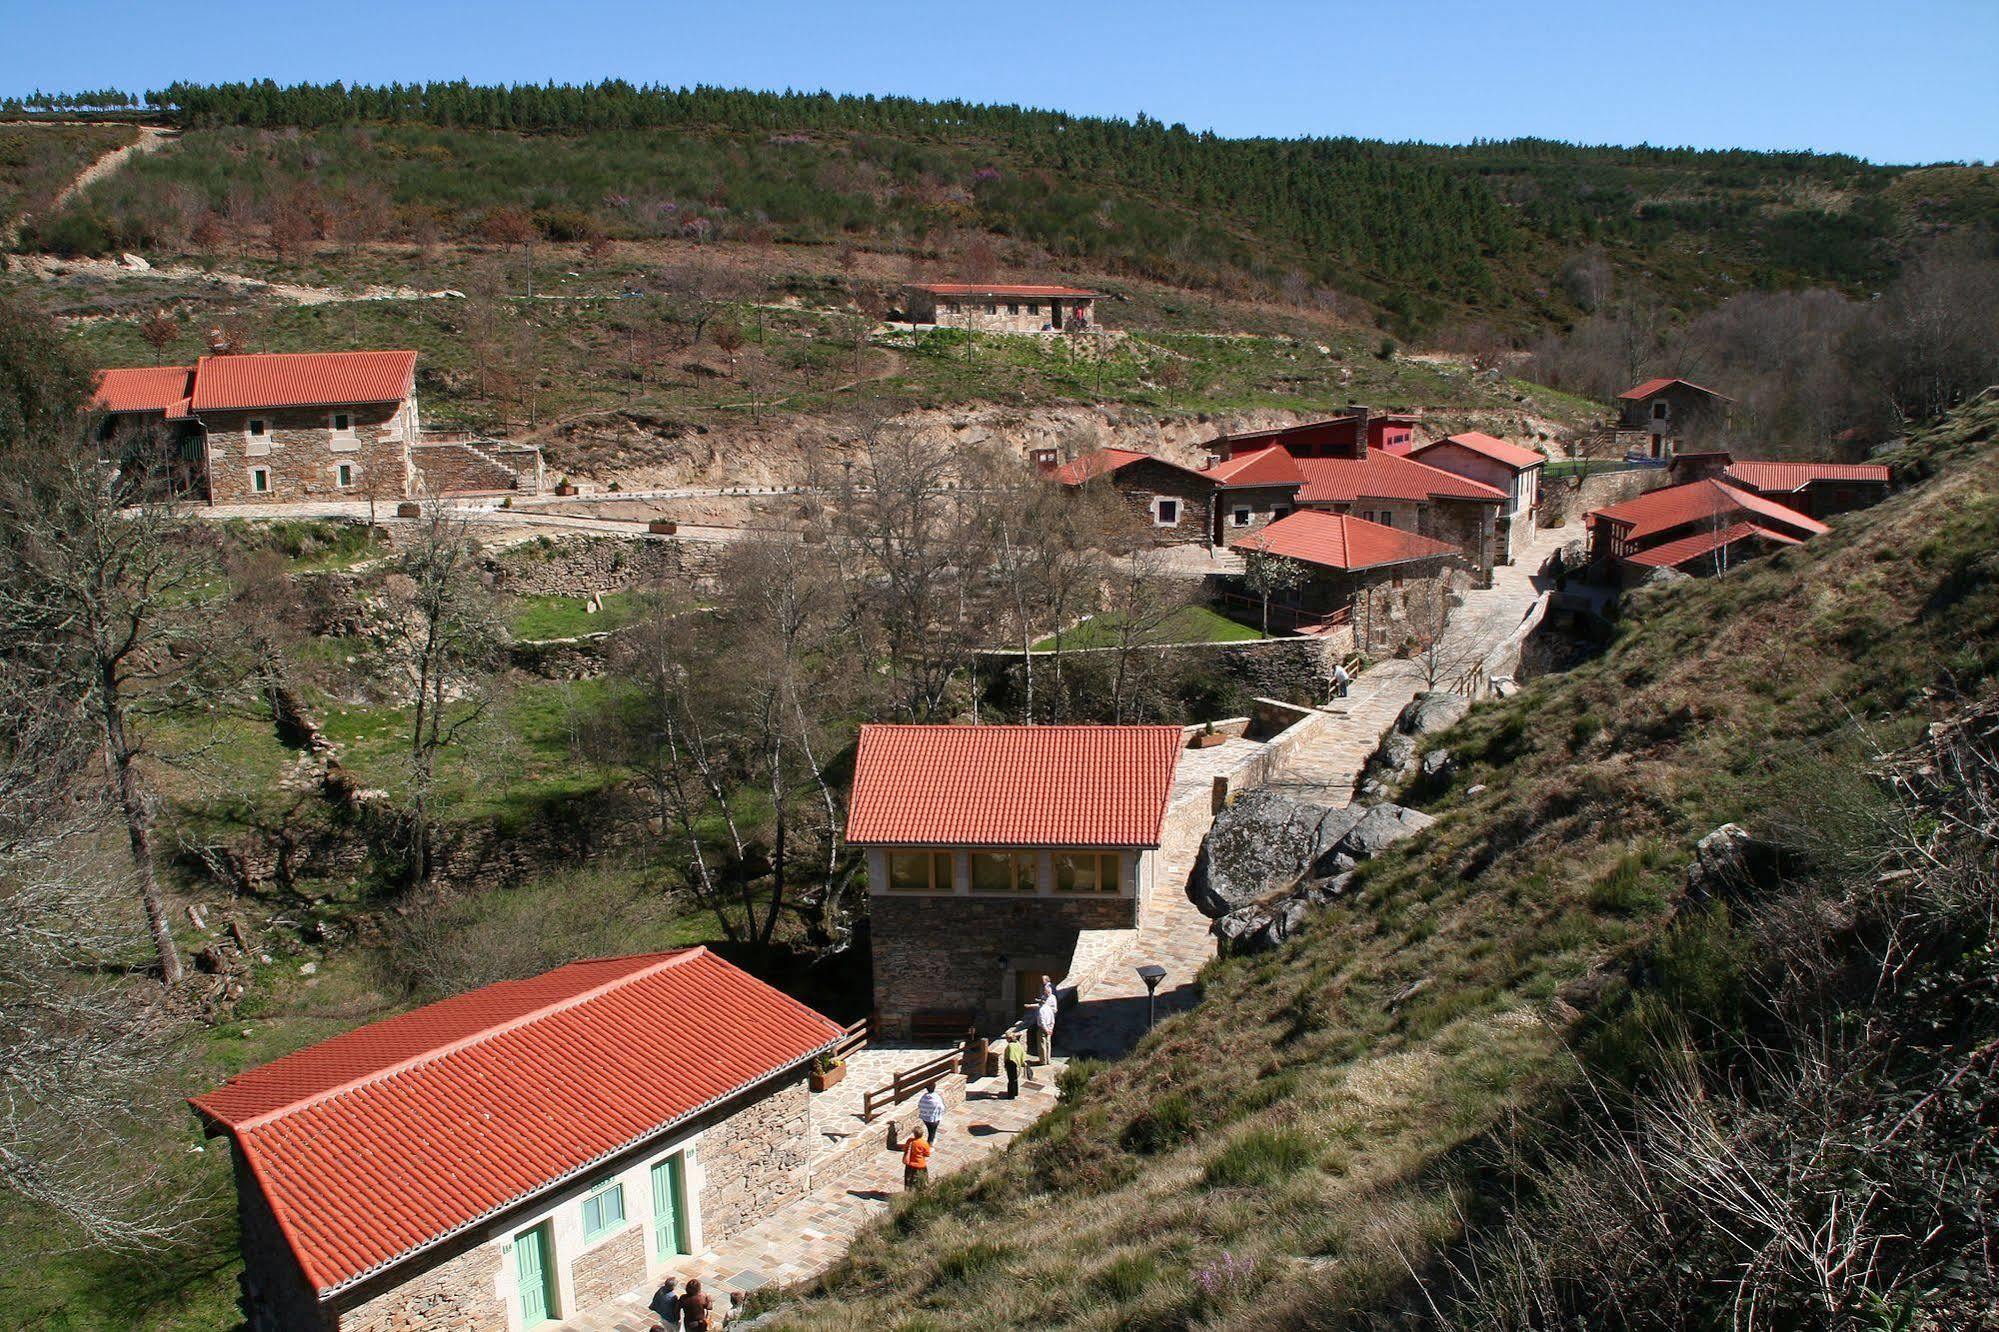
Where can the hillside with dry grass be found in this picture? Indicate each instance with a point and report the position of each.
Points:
(1399, 1119)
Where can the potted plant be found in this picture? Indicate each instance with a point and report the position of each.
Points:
(1208, 737)
(826, 1071)
(565, 487)
(662, 527)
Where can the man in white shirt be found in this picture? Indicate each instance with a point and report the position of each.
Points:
(930, 1109)
(1044, 1021)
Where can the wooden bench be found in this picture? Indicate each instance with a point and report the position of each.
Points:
(942, 1025)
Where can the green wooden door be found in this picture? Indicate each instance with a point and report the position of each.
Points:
(535, 1275)
(669, 1206)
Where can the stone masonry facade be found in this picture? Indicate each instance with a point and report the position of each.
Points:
(757, 1160)
(941, 953)
(459, 1294)
(296, 454)
(1143, 484)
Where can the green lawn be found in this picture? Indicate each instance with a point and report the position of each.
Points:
(536, 618)
(1194, 624)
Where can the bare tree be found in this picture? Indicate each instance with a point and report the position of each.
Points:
(438, 641)
(1267, 575)
(1141, 600)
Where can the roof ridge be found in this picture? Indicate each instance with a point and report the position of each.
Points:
(661, 962)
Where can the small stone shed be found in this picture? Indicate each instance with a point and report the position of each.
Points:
(521, 1153)
(1000, 308)
(1375, 578)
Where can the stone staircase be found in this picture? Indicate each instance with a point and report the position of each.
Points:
(463, 467)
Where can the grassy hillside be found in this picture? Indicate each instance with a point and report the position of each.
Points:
(1422, 235)
(1325, 1125)
(36, 161)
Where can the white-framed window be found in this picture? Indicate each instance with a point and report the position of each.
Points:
(992, 307)
(1239, 516)
(603, 1210)
(260, 480)
(1034, 307)
(1013, 307)
(919, 872)
(1087, 872)
(1003, 872)
(341, 423)
(255, 427)
(343, 476)
(1166, 512)
(1661, 410)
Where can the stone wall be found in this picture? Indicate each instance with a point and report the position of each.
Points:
(301, 455)
(611, 1268)
(756, 1160)
(943, 952)
(1142, 484)
(1295, 668)
(1469, 526)
(464, 469)
(459, 1293)
(1263, 502)
(276, 1296)
(1565, 501)
(578, 566)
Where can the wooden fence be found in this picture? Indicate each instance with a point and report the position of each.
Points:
(908, 1082)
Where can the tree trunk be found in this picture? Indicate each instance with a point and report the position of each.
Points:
(123, 779)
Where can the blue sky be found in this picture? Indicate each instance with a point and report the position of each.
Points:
(1912, 80)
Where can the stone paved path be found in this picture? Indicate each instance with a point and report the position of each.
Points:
(799, 1242)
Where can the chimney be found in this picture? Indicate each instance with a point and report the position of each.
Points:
(1358, 415)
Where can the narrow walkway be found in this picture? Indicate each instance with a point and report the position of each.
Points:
(802, 1240)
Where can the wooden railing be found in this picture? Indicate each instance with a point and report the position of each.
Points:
(1282, 616)
(909, 1081)
(855, 1039)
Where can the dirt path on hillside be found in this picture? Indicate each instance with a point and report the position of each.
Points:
(48, 268)
(151, 139)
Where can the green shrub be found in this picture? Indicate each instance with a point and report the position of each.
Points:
(1166, 1124)
(1261, 1157)
(1623, 889)
(972, 1261)
(1128, 1278)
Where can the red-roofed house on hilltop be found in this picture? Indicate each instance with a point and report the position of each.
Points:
(520, 1153)
(1817, 489)
(1703, 527)
(1675, 414)
(1500, 464)
(990, 849)
(1000, 307)
(1341, 471)
(292, 427)
(1376, 579)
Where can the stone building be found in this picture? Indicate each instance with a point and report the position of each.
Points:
(1506, 467)
(1384, 582)
(1674, 414)
(992, 849)
(1701, 528)
(1175, 505)
(1252, 491)
(297, 427)
(1340, 471)
(999, 308)
(520, 1153)
(1815, 489)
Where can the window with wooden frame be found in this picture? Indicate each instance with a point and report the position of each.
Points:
(260, 480)
(1240, 516)
(1085, 872)
(1003, 872)
(919, 872)
(343, 476)
(1166, 512)
(603, 1209)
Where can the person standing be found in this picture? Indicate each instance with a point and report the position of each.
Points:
(915, 1163)
(1044, 1019)
(1013, 1054)
(1340, 680)
(930, 1109)
(696, 1307)
(666, 1306)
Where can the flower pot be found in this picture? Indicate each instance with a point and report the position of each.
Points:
(565, 489)
(819, 1082)
(662, 527)
(1207, 740)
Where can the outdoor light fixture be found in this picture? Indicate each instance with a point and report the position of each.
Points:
(1151, 973)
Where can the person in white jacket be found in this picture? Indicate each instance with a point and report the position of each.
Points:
(1044, 1022)
(930, 1109)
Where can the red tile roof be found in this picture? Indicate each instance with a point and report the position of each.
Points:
(1698, 501)
(1673, 554)
(1104, 462)
(1333, 431)
(1385, 476)
(1341, 541)
(979, 289)
(1012, 785)
(1499, 450)
(382, 1141)
(302, 379)
(1261, 467)
(1794, 476)
(1638, 392)
(149, 388)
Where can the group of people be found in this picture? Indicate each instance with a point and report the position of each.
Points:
(1014, 1050)
(689, 1310)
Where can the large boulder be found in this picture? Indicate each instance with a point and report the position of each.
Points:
(1428, 713)
(1729, 862)
(1379, 828)
(1393, 762)
(1262, 844)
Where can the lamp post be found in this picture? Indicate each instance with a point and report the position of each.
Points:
(1151, 973)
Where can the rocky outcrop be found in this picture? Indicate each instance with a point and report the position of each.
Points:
(1263, 844)
(1378, 828)
(1394, 762)
(1730, 862)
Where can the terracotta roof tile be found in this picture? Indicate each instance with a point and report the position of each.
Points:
(1793, 476)
(1698, 501)
(1673, 554)
(1385, 476)
(1012, 785)
(1103, 462)
(1341, 541)
(1260, 467)
(1645, 390)
(301, 379)
(979, 289)
(150, 388)
(1499, 450)
(397, 1134)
